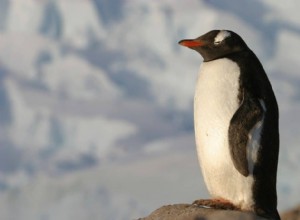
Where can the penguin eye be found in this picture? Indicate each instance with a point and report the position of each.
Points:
(217, 42)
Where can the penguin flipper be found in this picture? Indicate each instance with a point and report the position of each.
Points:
(242, 122)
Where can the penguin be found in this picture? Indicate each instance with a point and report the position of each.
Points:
(236, 125)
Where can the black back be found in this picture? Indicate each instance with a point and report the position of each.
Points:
(255, 85)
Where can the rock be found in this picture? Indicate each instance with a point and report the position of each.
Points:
(293, 214)
(193, 212)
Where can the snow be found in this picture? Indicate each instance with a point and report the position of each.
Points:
(96, 116)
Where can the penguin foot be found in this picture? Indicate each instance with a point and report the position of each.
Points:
(216, 204)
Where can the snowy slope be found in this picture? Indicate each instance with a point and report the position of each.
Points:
(96, 116)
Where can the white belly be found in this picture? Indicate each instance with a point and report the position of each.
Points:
(214, 105)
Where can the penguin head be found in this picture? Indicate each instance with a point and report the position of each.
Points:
(216, 44)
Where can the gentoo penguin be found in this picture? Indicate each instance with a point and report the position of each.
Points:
(236, 125)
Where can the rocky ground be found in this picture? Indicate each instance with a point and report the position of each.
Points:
(192, 212)
(292, 214)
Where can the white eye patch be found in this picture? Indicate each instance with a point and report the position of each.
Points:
(222, 35)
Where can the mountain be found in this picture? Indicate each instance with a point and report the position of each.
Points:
(96, 97)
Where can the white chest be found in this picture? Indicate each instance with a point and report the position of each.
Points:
(216, 100)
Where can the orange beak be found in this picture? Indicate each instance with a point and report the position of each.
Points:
(191, 43)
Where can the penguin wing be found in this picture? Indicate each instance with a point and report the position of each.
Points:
(246, 120)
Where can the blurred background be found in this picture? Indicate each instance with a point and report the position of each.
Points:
(96, 102)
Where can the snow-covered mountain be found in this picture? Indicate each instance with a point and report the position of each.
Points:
(96, 97)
